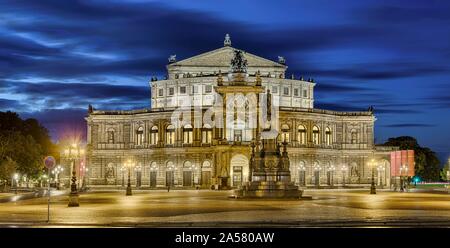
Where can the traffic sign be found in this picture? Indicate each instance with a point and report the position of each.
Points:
(49, 162)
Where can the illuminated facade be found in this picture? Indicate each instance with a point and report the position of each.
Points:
(325, 147)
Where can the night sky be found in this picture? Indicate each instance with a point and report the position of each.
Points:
(56, 57)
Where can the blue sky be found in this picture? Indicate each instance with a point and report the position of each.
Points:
(56, 57)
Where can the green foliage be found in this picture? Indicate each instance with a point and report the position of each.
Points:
(426, 161)
(24, 144)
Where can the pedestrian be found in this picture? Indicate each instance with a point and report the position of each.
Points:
(168, 188)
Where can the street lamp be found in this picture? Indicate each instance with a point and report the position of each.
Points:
(344, 170)
(403, 171)
(372, 164)
(380, 169)
(73, 153)
(129, 164)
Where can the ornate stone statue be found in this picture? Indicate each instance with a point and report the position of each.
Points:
(238, 63)
(258, 79)
(281, 60)
(227, 41)
(172, 59)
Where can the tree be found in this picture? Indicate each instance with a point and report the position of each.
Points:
(444, 171)
(23, 143)
(426, 161)
(7, 169)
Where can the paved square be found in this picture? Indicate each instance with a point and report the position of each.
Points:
(214, 208)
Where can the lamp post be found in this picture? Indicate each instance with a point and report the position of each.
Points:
(373, 190)
(380, 169)
(403, 171)
(129, 164)
(344, 170)
(73, 153)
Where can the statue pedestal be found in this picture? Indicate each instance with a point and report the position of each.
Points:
(73, 200)
(270, 184)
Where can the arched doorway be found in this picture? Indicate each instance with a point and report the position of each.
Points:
(170, 175)
(239, 170)
(188, 174)
(206, 174)
(153, 174)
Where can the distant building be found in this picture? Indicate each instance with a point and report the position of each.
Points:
(325, 147)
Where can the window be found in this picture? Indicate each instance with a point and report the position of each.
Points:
(208, 88)
(187, 134)
(160, 92)
(171, 91)
(182, 89)
(110, 136)
(140, 136)
(154, 135)
(354, 136)
(305, 93)
(170, 135)
(328, 136)
(302, 135)
(206, 134)
(285, 133)
(286, 91)
(194, 89)
(237, 135)
(295, 92)
(275, 89)
(316, 133)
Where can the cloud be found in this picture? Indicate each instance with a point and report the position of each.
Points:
(409, 125)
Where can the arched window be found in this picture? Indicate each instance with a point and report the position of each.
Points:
(206, 134)
(140, 136)
(285, 133)
(110, 133)
(302, 135)
(316, 135)
(187, 134)
(170, 135)
(328, 136)
(154, 135)
(354, 136)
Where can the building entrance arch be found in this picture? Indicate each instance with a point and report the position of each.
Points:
(239, 170)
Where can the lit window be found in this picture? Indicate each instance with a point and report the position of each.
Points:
(302, 134)
(170, 135)
(154, 135)
(328, 136)
(187, 134)
(140, 136)
(316, 133)
(206, 134)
